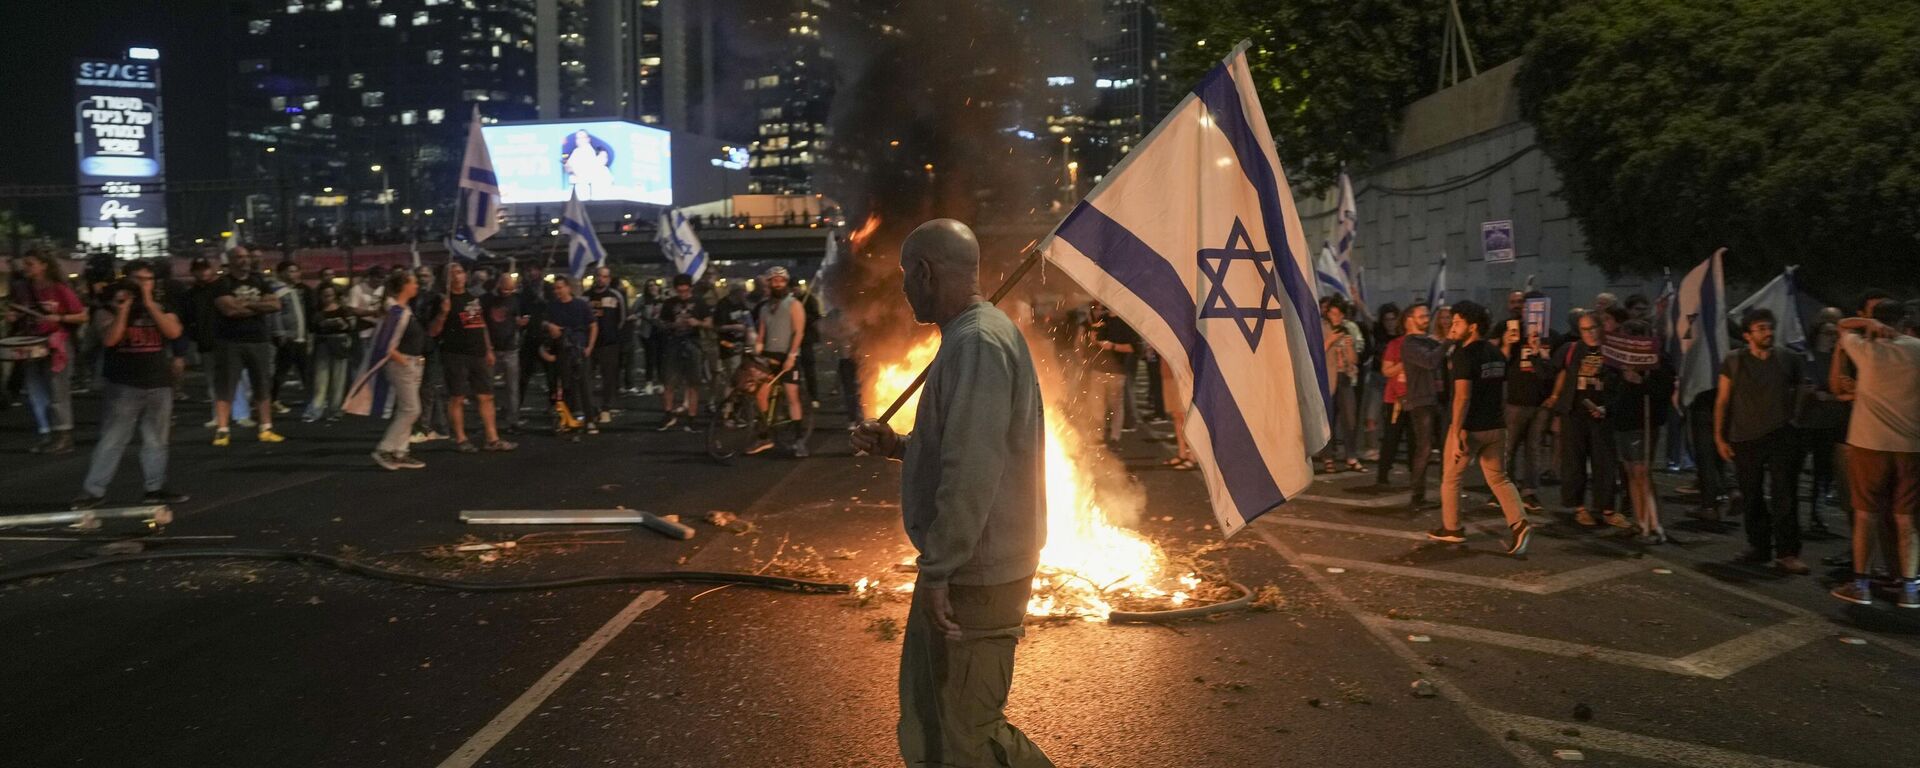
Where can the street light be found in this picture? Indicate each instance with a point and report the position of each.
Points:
(386, 194)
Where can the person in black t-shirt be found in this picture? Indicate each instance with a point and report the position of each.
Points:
(683, 315)
(574, 318)
(506, 313)
(138, 365)
(733, 332)
(1637, 409)
(610, 314)
(466, 354)
(1580, 396)
(242, 301)
(1476, 373)
(1529, 382)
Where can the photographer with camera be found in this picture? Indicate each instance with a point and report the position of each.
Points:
(135, 327)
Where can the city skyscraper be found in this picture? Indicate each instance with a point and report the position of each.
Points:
(360, 105)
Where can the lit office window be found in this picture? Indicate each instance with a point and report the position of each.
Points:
(421, 18)
(435, 116)
(409, 117)
(357, 80)
(436, 56)
(389, 20)
(259, 26)
(373, 99)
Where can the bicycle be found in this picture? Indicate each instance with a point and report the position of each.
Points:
(737, 422)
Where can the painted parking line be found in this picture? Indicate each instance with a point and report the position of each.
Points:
(1716, 663)
(476, 747)
(1554, 733)
(1558, 582)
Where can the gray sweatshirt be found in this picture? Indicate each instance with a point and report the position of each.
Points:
(973, 491)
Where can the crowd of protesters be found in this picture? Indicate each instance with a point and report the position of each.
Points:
(1586, 407)
(450, 353)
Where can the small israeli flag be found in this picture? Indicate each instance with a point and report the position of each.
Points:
(1437, 284)
(583, 246)
(1781, 295)
(680, 245)
(479, 187)
(1194, 241)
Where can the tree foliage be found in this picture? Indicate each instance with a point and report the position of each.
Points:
(1787, 130)
(1334, 75)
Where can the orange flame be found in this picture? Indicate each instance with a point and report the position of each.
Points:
(1088, 558)
(858, 239)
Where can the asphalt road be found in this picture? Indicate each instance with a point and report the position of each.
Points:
(1631, 656)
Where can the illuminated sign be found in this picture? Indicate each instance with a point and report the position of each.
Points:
(599, 160)
(117, 134)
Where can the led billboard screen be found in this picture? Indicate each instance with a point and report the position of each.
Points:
(117, 128)
(602, 160)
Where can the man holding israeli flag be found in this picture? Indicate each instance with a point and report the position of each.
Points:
(583, 246)
(1779, 296)
(479, 187)
(1700, 304)
(1437, 284)
(680, 245)
(1194, 241)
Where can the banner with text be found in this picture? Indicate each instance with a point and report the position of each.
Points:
(117, 132)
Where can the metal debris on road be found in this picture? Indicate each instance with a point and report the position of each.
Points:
(1852, 640)
(672, 528)
(1419, 639)
(1336, 569)
(1663, 571)
(1570, 755)
(153, 515)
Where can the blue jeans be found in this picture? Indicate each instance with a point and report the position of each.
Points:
(124, 409)
(329, 380)
(50, 393)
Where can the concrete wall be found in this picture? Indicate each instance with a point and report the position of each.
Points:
(1447, 137)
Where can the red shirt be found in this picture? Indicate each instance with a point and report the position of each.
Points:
(1396, 386)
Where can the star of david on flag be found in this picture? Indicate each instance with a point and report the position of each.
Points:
(1194, 241)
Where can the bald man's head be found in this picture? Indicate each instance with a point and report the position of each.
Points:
(940, 266)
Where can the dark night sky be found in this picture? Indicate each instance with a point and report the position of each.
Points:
(38, 43)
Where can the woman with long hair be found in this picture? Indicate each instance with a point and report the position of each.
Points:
(333, 326)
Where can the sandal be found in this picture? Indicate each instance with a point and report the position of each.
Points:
(500, 446)
(1186, 465)
(1327, 468)
(465, 447)
(1173, 462)
(1354, 465)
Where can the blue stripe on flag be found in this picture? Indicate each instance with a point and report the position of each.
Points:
(1223, 101)
(481, 209)
(1146, 274)
(1716, 325)
(483, 176)
(699, 261)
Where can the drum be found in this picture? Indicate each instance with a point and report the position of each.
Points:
(15, 349)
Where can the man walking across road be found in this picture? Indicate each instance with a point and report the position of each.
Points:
(1883, 443)
(1752, 427)
(1477, 372)
(973, 496)
(682, 315)
(135, 329)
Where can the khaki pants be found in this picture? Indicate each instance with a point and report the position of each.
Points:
(1486, 448)
(953, 693)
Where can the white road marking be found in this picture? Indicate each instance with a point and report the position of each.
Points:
(504, 723)
(1558, 582)
(1389, 500)
(1729, 658)
(1543, 732)
(1475, 713)
(1634, 745)
(1497, 527)
(1531, 643)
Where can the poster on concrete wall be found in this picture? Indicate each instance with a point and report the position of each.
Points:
(1496, 241)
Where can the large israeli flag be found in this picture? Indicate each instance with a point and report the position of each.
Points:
(1193, 239)
(1781, 296)
(1343, 234)
(583, 246)
(680, 245)
(1703, 334)
(479, 187)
